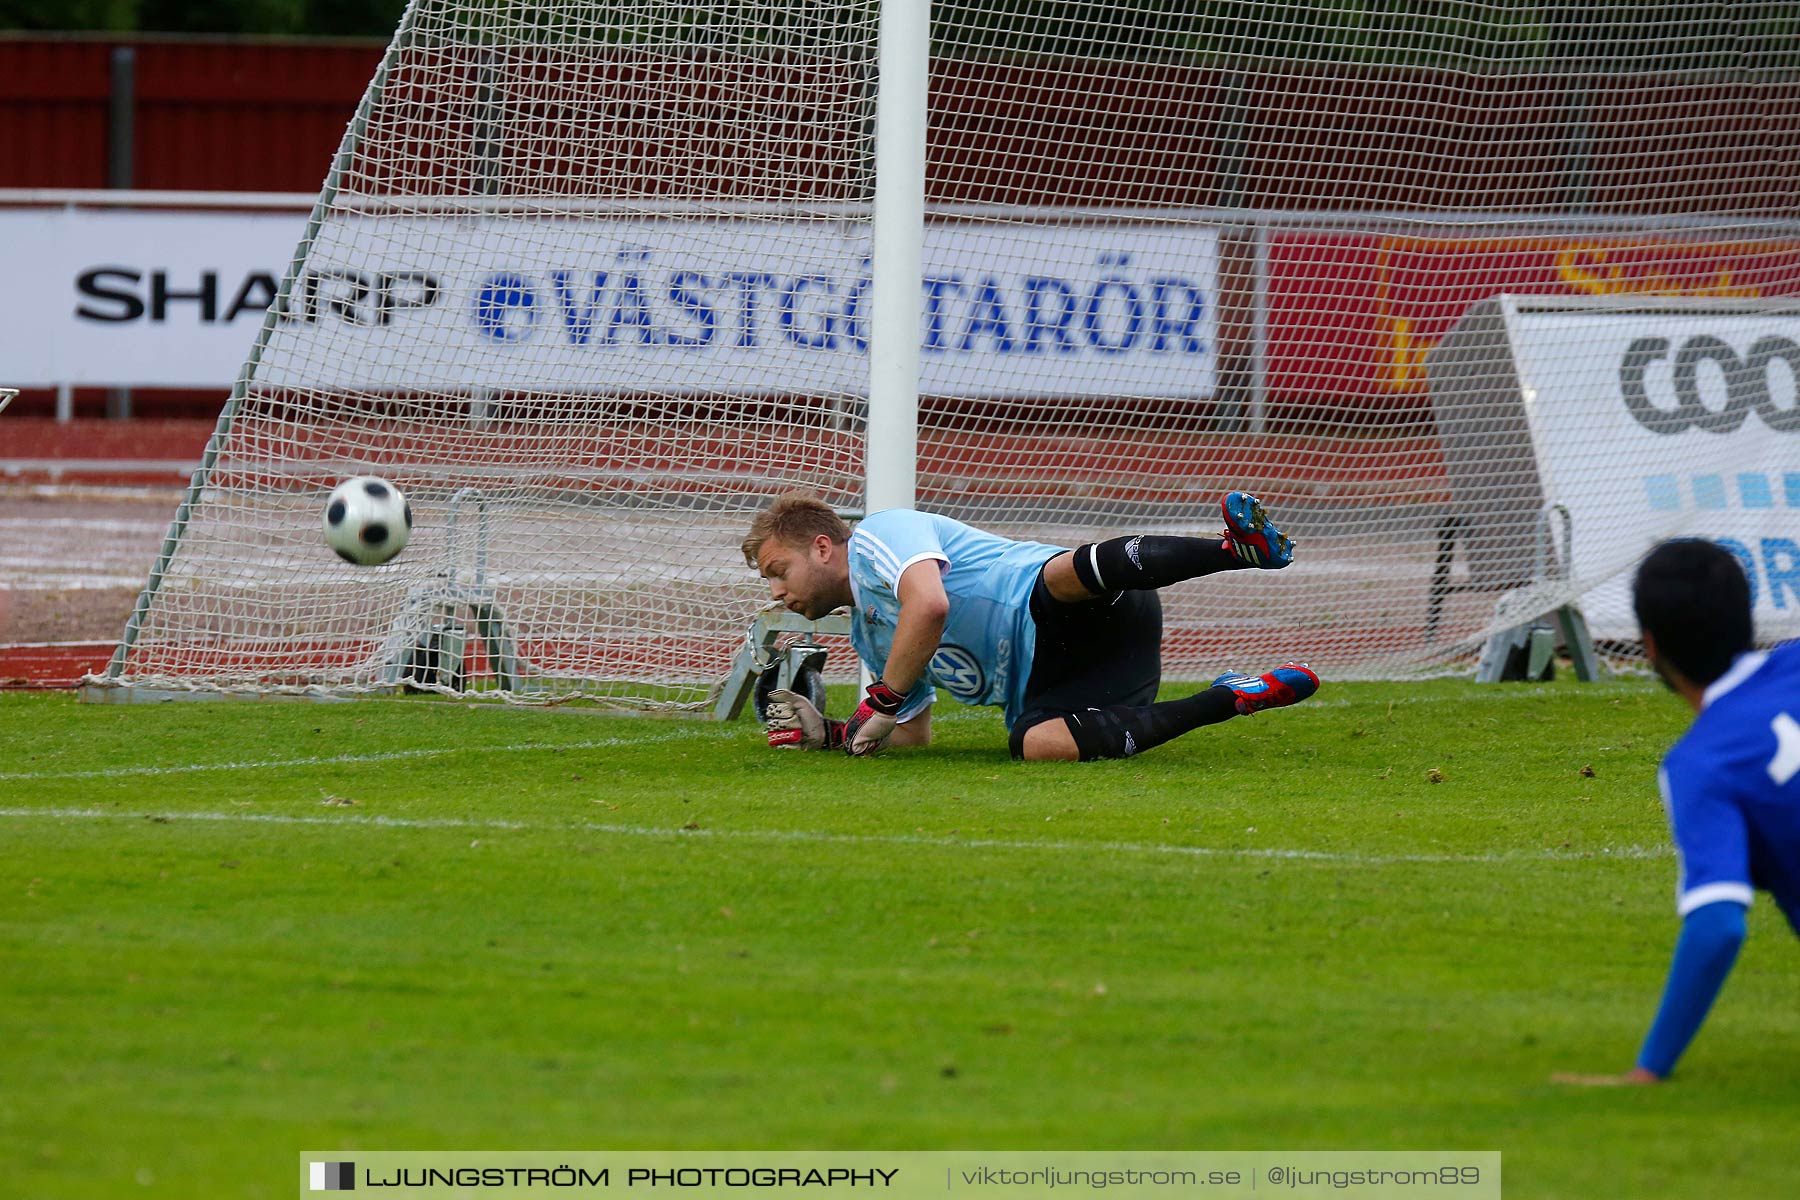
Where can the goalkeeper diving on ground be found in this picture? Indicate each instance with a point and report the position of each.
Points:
(1067, 642)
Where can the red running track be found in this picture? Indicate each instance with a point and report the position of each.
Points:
(50, 665)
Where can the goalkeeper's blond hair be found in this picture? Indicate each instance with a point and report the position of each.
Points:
(794, 519)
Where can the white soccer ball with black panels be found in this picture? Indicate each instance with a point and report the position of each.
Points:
(367, 520)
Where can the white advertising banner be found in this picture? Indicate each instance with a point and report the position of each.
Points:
(1648, 425)
(655, 305)
(137, 299)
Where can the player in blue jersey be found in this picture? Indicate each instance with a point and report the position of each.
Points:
(1067, 642)
(1731, 784)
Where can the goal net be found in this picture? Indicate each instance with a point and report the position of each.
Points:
(590, 282)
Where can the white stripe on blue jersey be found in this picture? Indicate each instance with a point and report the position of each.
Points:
(884, 558)
(1736, 820)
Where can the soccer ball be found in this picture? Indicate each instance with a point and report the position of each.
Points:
(367, 520)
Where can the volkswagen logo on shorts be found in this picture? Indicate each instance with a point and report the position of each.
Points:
(959, 673)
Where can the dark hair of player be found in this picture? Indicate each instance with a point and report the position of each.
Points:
(794, 519)
(1691, 596)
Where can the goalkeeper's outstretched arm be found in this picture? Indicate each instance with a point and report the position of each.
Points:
(924, 608)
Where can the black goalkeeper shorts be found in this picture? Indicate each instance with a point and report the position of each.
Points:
(1090, 655)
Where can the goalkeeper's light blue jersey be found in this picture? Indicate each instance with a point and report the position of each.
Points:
(989, 637)
(1732, 787)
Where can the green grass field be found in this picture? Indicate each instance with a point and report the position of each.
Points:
(232, 932)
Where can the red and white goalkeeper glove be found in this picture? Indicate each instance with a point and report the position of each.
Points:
(869, 728)
(794, 724)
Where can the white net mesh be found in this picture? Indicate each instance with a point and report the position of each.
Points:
(1345, 181)
(562, 292)
(590, 284)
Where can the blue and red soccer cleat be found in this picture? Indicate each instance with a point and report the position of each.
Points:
(1250, 534)
(1285, 685)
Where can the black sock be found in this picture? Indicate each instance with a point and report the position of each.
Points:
(1146, 562)
(1124, 730)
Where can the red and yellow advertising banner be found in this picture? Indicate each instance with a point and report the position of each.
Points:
(1355, 314)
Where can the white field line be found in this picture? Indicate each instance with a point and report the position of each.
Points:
(849, 839)
(65, 583)
(148, 526)
(1503, 692)
(323, 760)
(165, 493)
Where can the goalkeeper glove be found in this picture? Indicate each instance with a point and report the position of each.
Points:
(794, 724)
(869, 728)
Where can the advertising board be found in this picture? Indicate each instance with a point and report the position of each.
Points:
(1644, 420)
(642, 305)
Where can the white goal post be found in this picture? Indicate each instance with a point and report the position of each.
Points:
(592, 282)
